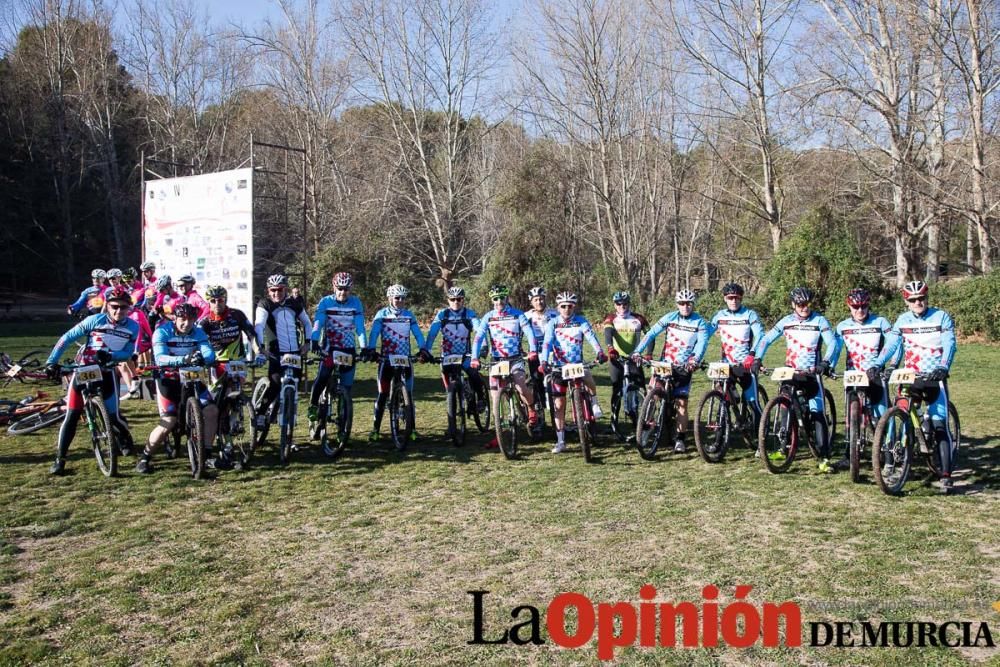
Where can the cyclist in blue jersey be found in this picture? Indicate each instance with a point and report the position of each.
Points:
(563, 344)
(740, 329)
(927, 338)
(805, 331)
(394, 324)
(338, 326)
(177, 343)
(863, 335)
(457, 323)
(110, 336)
(505, 326)
(685, 341)
(91, 298)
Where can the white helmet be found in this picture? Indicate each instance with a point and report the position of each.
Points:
(566, 297)
(536, 291)
(275, 280)
(397, 290)
(685, 295)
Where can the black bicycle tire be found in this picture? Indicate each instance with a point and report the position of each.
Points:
(287, 403)
(582, 427)
(107, 457)
(880, 432)
(649, 453)
(854, 436)
(37, 421)
(194, 429)
(793, 434)
(707, 453)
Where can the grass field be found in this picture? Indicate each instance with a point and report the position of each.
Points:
(367, 560)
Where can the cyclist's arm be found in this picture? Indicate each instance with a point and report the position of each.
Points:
(259, 322)
(529, 332)
(319, 320)
(829, 341)
(376, 331)
(892, 348)
(769, 338)
(838, 346)
(609, 331)
(756, 329)
(548, 338)
(480, 337)
(161, 351)
(79, 303)
(418, 335)
(650, 337)
(701, 342)
(251, 335)
(71, 336)
(359, 327)
(947, 340)
(588, 333)
(204, 345)
(433, 331)
(306, 324)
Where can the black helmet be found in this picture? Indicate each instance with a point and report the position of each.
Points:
(801, 296)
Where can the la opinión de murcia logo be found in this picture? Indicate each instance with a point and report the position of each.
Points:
(707, 623)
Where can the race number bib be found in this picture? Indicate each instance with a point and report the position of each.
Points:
(291, 360)
(500, 369)
(399, 361)
(87, 374)
(718, 371)
(342, 359)
(451, 360)
(783, 374)
(193, 375)
(855, 379)
(903, 376)
(236, 368)
(573, 371)
(661, 368)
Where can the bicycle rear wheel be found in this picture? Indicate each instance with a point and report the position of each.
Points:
(955, 429)
(778, 438)
(830, 411)
(195, 431)
(892, 450)
(712, 428)
(102, 437)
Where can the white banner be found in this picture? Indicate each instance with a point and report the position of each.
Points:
(203, 225)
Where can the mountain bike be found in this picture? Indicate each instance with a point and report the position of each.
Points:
(335, 406)
(657, 414)
(31, 414)
(400, 403)
(283, 409)
(578, 395)
(237, 427)
(462, 400)
(629, 400)
(29, 368)
(786, 419)
(189, 433)
(902, 426)
(724, 409)
(509, 413)
(860, 419)
(88, 379)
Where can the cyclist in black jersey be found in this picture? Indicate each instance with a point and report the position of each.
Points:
(276, 321)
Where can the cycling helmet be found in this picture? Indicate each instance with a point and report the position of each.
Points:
(397, 290)
(98, 273)
(147, 266)
(914, 288)
(499, 292)
(129, 274)
(536, 291)
(858, 297)
(456, 292)
(566, 297)
(185, 310)
(186, 278)
(164, 282)
(801, 296)
(114, 273)
(343, 280)
(216, 292)
(277, 280)
(685, 296)
(732, 288)
(118, 293)
(622, 297)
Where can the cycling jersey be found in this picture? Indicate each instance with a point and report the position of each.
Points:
(456, 327)
(505, 327)
(539, 320)
(739, 330)
(563, 343)
(166, 302)
(101, 334)
(149, 293)
(863, 341)
(803, 337)
(275, 323)
(198, 302)
(225, 333)
(145, 342)
(92, 298)
(394, 327)
(686, 338)
(623, 332)
(170, 347)
(928, 340)
(340, 323)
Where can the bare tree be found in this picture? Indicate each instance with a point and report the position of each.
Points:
(426, 68)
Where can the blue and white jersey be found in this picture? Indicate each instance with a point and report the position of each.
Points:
(739, 331)
(340, 324)
(563, 342)
(505, 327)
(394, 327)
(101, 334)
(171, 346)
(456, 327)
(539, 320)
(862, 340)
(803, 337)
(91, 298)
(686, 338)
(928, 341)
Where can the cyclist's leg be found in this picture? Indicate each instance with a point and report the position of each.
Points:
(878, 397)
(347, 378)
(319, 382)
(591, 384)
(558, 389)
(937, 407)
(616, 373)
(67, 431)
(810, 389)
(475, 379)
(274, 374)
(682, 389)
(383, 378)
(168, 396)
(210, 416)
(524, 390)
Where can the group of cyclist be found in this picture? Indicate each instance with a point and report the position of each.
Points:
(188, 330)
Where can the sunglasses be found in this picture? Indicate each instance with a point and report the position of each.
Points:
(219, 300)
(621, 303)
(685, 303)
(567, 305)
(456, 298)
(917, 299)
(116, 306)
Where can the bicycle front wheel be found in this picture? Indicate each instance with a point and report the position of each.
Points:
(242, 428)
(892, 450)
(830, 411)
(649, 429)
(711, 433)
(260, 433)
(400, 423)
(287, 423)
(855, 442)
(102, 436)
(583, 425)
(195, 428)
(778, 438)
(456, 414)
(505, 421)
